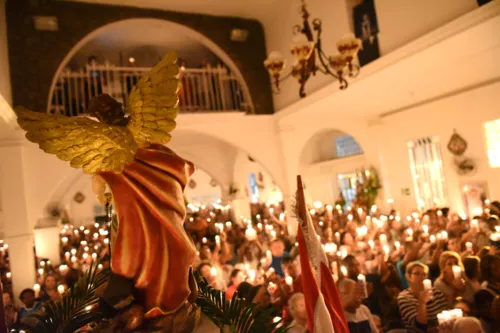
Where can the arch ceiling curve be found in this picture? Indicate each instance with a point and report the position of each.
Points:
(118, 30)
(321, 146)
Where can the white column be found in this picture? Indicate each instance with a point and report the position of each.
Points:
(16, 227)
(47, 244)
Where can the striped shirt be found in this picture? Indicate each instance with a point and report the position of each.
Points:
(408, 308)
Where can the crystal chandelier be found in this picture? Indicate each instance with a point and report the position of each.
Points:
(305, 49)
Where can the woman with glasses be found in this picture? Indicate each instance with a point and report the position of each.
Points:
(419, 306)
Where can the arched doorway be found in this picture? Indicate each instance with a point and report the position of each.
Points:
(329, 162)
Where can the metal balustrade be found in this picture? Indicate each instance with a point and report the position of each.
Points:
(209, 89)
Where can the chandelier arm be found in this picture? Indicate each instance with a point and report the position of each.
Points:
(327, 70)
(283, 78)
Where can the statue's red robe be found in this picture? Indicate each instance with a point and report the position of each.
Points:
(151, 246)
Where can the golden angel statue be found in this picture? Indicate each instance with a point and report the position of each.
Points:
(151, 253)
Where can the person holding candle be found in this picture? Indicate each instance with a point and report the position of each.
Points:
(472, 271)
(419, 306)
(31, 306)
(237, 277)
(359, 317)
(297, 308)
(278, 253)
(452, 281)
(291, 269)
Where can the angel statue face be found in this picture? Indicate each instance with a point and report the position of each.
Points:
(107, 110)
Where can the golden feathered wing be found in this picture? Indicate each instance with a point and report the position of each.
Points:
(152, 103)
(94, 146)
(87, 144)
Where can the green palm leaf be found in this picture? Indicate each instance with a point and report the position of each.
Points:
(78, 307)
(240, 317)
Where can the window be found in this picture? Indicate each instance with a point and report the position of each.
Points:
(347, 186)
(427, 171)
(254, 188)
(347, 146)
(492, 131)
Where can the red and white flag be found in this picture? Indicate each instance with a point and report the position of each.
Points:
(324, 309)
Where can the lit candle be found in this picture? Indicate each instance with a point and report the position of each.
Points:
(427, 284)
(251, 275)
(106, 240)
(83, 243)
(217, 239)
(251, 234)
(60, 289)
(228, 224)
(273, 234)
(85, 256)
(468, 245)
(42, 263)
(397, 245)
(94, 256)
(474, 224)
(289, 281)
(36, 288)
(213, 271)
(444, 235)
(73, 259)
(343, 269)
(330, 248)
(371, 243)
(64, 240)
(269, 255)
(40, 271)
(329, 208)
(282, 217)
(374, 209)
(425, 228)
(63, 269)
(457, 272)
(383, 239)
(99, 267)
(276, 319)
(8, 275)
(362, 281)
(204, 240)
(96, 225)
(386, 251)
(432, 238)
(67, 255)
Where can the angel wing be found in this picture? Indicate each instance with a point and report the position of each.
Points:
(87, 144)
(152, 103)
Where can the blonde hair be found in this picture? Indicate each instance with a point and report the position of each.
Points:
(447, 255)
(413, 264)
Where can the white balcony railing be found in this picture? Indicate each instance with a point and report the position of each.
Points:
(210, 89)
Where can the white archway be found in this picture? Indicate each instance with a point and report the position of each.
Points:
(168, 26)
(329, 161)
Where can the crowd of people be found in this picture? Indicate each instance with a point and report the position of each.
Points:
(79, 247)
(432, 271)
(420, 273)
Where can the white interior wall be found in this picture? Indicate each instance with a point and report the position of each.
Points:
(204, 192)
(467, 113)
(400, 22)
(243, 167)
(321, 178)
